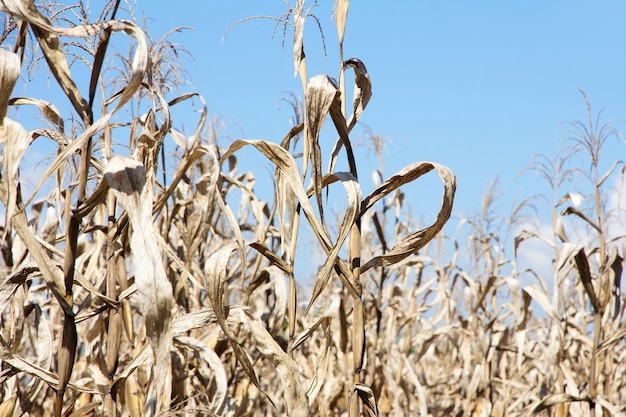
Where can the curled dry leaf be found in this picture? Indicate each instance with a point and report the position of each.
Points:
(320, 94)
(582, 264)
(127, 180)
(362, 96)
(47, 109)
(362, 89)
(410, 244)
(368, 399)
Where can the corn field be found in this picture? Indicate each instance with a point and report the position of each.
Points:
(131, 288)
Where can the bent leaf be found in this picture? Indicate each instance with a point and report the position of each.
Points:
(410, 244)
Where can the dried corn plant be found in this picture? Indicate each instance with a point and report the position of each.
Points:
(133, 288)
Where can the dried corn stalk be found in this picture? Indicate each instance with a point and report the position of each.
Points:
(127, 180)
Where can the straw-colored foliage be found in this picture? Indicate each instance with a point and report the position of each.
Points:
(130, 287)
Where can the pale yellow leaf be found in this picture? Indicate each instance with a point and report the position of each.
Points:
(341, 14)
(9, 72)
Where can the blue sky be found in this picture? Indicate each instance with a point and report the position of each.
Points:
(478, 86)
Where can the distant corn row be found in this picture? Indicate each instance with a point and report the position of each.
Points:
(131, 289)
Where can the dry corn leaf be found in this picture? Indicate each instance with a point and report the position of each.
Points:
(322, 358)
(46, 108)
(617, 267)
(582, 264)
(9, 72)
(362, 89)
(50, 44)
(85, 410)
(541, 298)
(15, 140)
(193, 320)
(141, 357)
(366, 395)
(362, 96)
(295, 398)
(216, 269)
(15, 280)
(48, 268)
(339, 121)
(580, 214)
(555, 399)
(320, 94)
(410, 244)
(285, 162)
(353, 193)
(277, 280)
(341, 14)
(523, 235)
(19, 363)
(98, 60)
(272, 257)
(127, 180)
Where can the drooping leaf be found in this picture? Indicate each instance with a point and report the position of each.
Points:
(127, 180)
(410, 244)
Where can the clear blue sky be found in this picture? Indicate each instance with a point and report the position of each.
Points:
(478, 86)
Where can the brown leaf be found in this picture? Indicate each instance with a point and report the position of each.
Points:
(582, 264)
(362, 89)
(320, 94)
(410, 244)
(285, 162)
